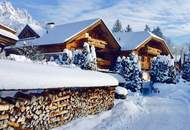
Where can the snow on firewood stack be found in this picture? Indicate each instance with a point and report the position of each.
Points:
(121, 92)
(39, 96)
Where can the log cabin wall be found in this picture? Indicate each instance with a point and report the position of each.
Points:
(152, 49)
(53, 108)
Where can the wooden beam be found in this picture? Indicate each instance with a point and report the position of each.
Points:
(97, 41)
(153, 51)
(103, 62)
(86, 37)
(3, 117)
(54, 114)
(62, 98)
(13, 124)
(4, 107)
(58, 106)
(98, 45)
(3, 126)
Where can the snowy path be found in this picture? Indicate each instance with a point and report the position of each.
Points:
(164, 114)
(169, 110)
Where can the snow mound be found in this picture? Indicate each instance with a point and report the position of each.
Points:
(121, 90)
(21, 75)
(123, 112)
(18, 58)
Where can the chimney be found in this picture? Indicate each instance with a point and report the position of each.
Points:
(49, 26)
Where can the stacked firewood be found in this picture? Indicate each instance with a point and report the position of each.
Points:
(53, 108)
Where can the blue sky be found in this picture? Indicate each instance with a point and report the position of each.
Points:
(173, 16)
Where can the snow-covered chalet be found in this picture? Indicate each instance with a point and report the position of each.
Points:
(73, 36)
(94, 31)
(145, 44)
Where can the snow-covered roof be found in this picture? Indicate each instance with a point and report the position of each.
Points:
(22, 75)
(61, 33)
(8, 34)
(132, 40)
(7, 28)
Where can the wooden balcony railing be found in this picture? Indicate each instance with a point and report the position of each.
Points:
(153, 51)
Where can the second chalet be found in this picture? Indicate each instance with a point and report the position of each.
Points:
(145, 44)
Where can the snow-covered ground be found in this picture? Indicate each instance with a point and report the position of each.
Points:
(168, 110)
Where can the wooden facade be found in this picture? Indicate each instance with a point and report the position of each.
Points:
(7, 36)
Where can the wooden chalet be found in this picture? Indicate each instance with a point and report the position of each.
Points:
(108, 47)
(7, 36)
(28, 33)
(145, 44)
(73, 35)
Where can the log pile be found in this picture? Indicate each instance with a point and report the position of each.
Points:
(53, 108)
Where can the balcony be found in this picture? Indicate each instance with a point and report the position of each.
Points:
(153, 51)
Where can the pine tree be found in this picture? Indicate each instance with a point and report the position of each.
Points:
(158, 32)
(117, 26)
(147, 28)
(129, 68)
(78, 58)
(86, 58)
(65, 58)
(31, 52)
(90, 57)
(2, 52)
(186, 67)
(163, 69)
(128, 28)
(118, 65)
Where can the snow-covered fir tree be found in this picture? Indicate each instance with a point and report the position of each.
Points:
(186, 67)
(65, 57)
(130, 69)
(163, 69)
(117, 27)
(86, 58)
(2, 52)
(31, 52)
(78, 58)
(147, 28)
(128, 28)
(118, 65)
